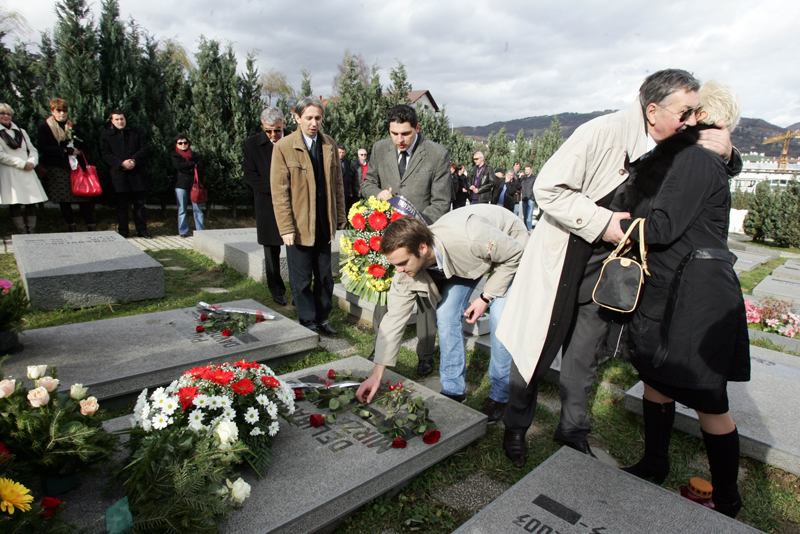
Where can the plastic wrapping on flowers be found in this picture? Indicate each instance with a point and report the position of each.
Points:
(365, 270)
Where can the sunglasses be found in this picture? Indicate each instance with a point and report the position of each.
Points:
(183, 142)
(60, 110)
(684, 116)
(274, 130)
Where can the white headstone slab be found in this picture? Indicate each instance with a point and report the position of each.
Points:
(787, 271)
(747, 261)
(779, 288)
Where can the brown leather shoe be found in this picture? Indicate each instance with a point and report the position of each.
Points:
(515, 447)
(493, 410)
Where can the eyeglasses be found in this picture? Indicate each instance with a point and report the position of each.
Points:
(476, 159)
(60, 110)
(6, 113)
(683, 116)
(183, 142)
(274, 130)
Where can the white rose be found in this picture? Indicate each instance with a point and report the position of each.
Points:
(7, 388)
(36, 371)
(89, 406)
(227, 432)
(49, 383)
(240, 490)
(77, 391)
(38, 397)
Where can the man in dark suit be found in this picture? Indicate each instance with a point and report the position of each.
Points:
(349, 180)
(480, 180)
(125, 150)
(409, 165)
(256, 164)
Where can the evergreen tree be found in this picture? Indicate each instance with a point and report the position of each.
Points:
(499, 153)
(28, 95)
(250, 103)
(524, 152)
(548, 143)
(346, 117)
(362, 70)
(305, 86)
(783, 224)
(461, 149)
(400, 87)
(118, 55)
(758, 212)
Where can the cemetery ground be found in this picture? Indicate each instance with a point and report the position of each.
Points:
(451, 492)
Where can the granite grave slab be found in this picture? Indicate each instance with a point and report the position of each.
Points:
(788, 270)
(765, 409)
(82, 269)
(239, 249)
(571, 493)
(320, 475)
(116, 357)
(779, 288)
(747, 261)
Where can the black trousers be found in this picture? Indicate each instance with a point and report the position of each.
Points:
(311, 281)
(426, 327)
(125, 199)
(272, 268)
(87, 212)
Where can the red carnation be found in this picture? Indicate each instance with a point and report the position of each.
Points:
(299, 394)
(203, 316)
(360, 246)
(376, 270)
(375, 243)
(317, 420)
(331, 374)
(186, 396)
(378, 220)
(259, 317)
(270, 382)
(399, 443)
(218, 376)
(431, 437)
(358, 221)
(49, 507)
(226, 333)
(396, 215)
(243, 387)
(199, 329)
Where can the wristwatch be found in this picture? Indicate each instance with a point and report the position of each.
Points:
(487, 301)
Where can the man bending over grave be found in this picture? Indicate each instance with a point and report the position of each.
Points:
(440, 266)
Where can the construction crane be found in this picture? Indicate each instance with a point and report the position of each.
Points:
(784, 159)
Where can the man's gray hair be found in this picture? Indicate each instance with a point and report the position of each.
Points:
(272, 115)
(479, 154)
(659, 85)
(306, 101)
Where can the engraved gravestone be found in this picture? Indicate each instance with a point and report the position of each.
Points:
(571, 493)
(779, 288)
(82, 269)
(788, 270)
(747, 261)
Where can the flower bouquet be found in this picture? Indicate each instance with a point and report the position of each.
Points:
(188, 437)
(773, 316)
(365, 271)
(52, 434)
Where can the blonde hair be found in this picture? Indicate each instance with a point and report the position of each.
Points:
(5, 107)
(59, 103)
(719, 102)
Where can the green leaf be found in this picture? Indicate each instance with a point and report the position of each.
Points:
(333, 404)
(331, 418)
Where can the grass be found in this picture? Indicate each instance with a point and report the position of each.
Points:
(771, 496)
(750, 279)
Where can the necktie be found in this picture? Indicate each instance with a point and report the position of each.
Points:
(313, 150)
(403, 162)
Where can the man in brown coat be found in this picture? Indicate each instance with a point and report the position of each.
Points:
(308, 200)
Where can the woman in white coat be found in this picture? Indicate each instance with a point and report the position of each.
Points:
(19, 184)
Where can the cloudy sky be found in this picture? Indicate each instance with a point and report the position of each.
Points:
(501, 60)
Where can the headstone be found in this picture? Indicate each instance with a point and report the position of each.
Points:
(239, 249)
(747, 261)
(571, 493)
(82, 269)
(765, 409)
(779, 288)
(320, 475)
(790, 269)
(116, 357)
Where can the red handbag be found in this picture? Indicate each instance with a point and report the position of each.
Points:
(199, 193)
(85, 182)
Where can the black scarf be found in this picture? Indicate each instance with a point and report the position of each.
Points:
(12, 142)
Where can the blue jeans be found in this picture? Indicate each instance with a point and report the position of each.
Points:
(184, 198)
(456, 294)
(527, 212)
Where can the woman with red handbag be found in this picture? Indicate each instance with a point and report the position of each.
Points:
(188, 170)
(60, 144)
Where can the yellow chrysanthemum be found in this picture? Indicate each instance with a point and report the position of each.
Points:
(378, 205)
(14, 495)
(345, 244)
(351, 271)
(355, 208)
(377, 284)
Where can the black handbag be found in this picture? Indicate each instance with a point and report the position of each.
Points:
(621, 277)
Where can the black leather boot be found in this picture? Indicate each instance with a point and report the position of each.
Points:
(658, 419)
(723, 462)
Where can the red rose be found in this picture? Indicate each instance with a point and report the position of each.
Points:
(226, 333)
(431, 437)
(396, 215)
(270, 382)
(203, 316)
(199, 329)
(360, 246)
(358, 221)
(399, 443)
(299, 394)
(317, 420)
(375, 243)
(376, 270)
(378, 220)
(331, 374)
(243, 387)
(49, 505)
(186, 396)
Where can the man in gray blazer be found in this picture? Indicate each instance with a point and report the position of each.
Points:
(418, 169)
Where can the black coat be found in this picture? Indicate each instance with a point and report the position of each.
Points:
(697, 320)
(256, 164)
(184, 175)
(511, 187)
(486, 185)
(118, 145)
(350, 179)
(54, 154)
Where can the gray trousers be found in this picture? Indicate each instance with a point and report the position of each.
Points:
(426, 327)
